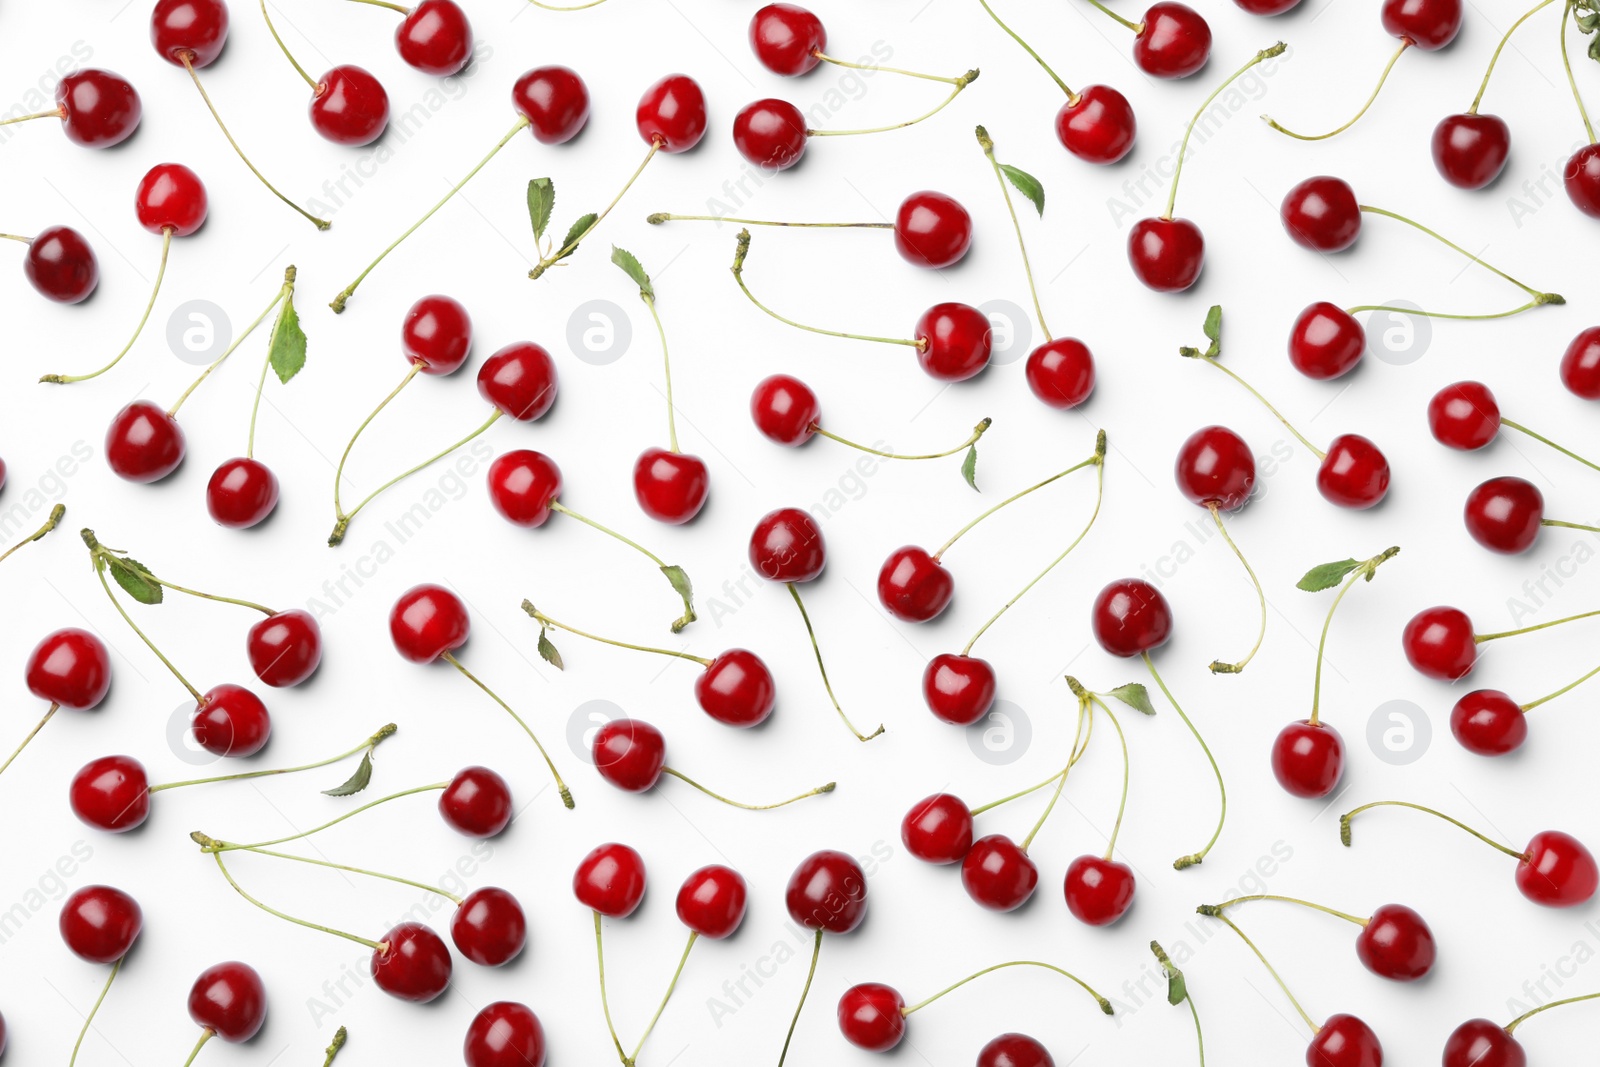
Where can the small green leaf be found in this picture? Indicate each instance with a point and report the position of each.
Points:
(135, 579)
(1177, 988)
(287, 349)
(541, 199)
(1213, 329)
(569, 244)
(356, 782)
(1135, 696)
(969, 466)
(1326, 575)
(1594, 49)
(1026, 184)
(548, 653)
(630, 266)
(680, 582)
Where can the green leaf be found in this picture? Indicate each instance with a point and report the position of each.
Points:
(287, 349)
(1177, 988)
(548, 653)
(135, 578)
(1213, 329)
(1026, 184)
(356, 782)
(1594, 49)
(569, 244)
(1135, 696)
(680, 582)
(969, 466)
(630, 266)
(1326, 575)
(541, 199)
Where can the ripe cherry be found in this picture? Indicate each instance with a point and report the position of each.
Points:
(99, 923)
(1440, 643)
(1344, 1041)
(1215, 466)
(1505, 514)
(1464, 416)
(411, 963)
(194, 30)
(505, 1034)
(228, 1000)
(932, 230)
(787, 39)
(1166, 254)
(770, 133)
(1396, 944)
(1470, 150)
(1426, 24)
(827, 892)
(630, 754)
(1481, 1043)
(427, 622)
(242, 492)
(70, 667)
(1061, 373)
(872, 1016)
(231, 721)
(285, 648)
(489, 927)
(737, 689)
(938, 829)
(1130, 617)
(958, 689)
(1099, 891)
(1581, 177)
(787, 546)
(1097, 125)
(111, 793)
(522, 484)
(436, 335)
(672, 114)
(477, 802)
(144, 443)
(1557, 871)
(519, 380)
(435, 38)
(953, 341)
(711, 901)
(1173, 41)
(1354, 474)
(914, 586)
(1580, 365)
(60, 265)
(1308, 758)
(1016, 1050)
(1326, 341)
(554, 100)
(1488, 722)
(349, 106)
(98, 108)
(998, 874)
(670, 487)
(1322, 214)
(170, 196)
(785, 409)
(610, 880)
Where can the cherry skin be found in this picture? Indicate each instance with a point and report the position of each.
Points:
(230, 1000)
(1308, 758)
(1344, 1041)
(913, 586)
(1503, 514)
(520, 380)
(1097, 126)
(1131, 617)
(111, 793)
(938, 829)
(871, 1017)
(827, 891)
(428, 621)
(786, 39)
(998, 874)
(672, 114)
(99, 923)
(1266, 7)
(504, 1034)
(284, 648)
(435, 38)
(787, 546)
(1322, 214)
(737, 689)
(1464, 416)
(1166, 254)
(671, 487)
(489, 927)
(242, 492)
(1215, 467)
(958, 689)
(1174, 42)
(1396, 944)
(610, 880)
(98, 108)
(1489, 723)
(194, 30)
(1061, 373)
(770, 133)
(554, 100)
(1427, 24)
(476, 803)
(1581, 177)
(785, 410)
(932, 230)
(953, 341)
(349, 106)
(522, 484)
(436, 335)
(1355, 473)
(1099, 891)
(630, 754)
(144, 443)
(70, 667)
(231, 721)
(711, 901)
(1439, 642)
(1014, 1050)
(1470, 151)
(170, 197)
(1481, 1043)
(413, 964)
(1580, 365)
(61, 265)
(1326, 341)
(1557, 871)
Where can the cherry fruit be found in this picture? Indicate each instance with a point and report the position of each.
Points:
(435, 38)
(1581, 178)
(489, 927)
(285, 648)
(100, 924)
(427, 622)
(872, 1016)
(1505, 514)
(1580, 365)
(998, 874)
(1396, 944)
(111, 793)
(1308, 758)
(787, 39)
(959, 689)
(1130, 617)
(711, 902)
(241, 493)
(231, 721)
(827, 892)
(1173, 41)
(98, 109)
(1470, 150)
(1061, 373)
(1481, 1043)
(70, 667)
(1322, 214)
(1489, 723)
(411, 963)
(1344, 1041)
(932, 230)
(228, 1000)
(189, 30)
(1099, 891)
(477, 802)
(1097, 125)
(610, 880)
(1440, 643)
(60, 265)
(1016, 1050)
(1167, 254)
(938, 829)
(505, 1034)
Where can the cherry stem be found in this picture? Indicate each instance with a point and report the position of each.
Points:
(1529, 306)
(671, 986)
(1122, 804)
(960, 83)
(675, 574)
(1539, 298)
(1481, 638)
(1545, 440)
(1172, 972)
(1084, 714)
(392, 7)
(373, 945)
(100, 573)
(822, 668)
(1270, 970)
(205, 1035)
(977, 432)
(659, 217)
(566, 794)
(1017, 795)
(277, 298)
(987, 144)
(229, 847)
(1072, 97)
(161, 272)
(368, 746)
(188, 65)
(1183, 146)
(315, 87)
(605, 1004)
(742, 249)
(14, 237)
(1313, 449)
(101, 553)
(1095, 460)
(1532, 704)
(1495, 58)
(343, 520)
(1566, 61)
(816, 950)
(544, 620)
(574, 7)
(338, 302)
(1405, 43)
(424, 886)
(1525, 1016)
(89, 1019)
(54, 112)
(1569, 525)
(48, 715)
(1217, 666)
(340, 1036)
(1215, 910)
(680, 776)
(1136, 27)
(1345, 819)
(666, 366)
(49, 524)
(887, 70)
(546, 262)
(1366, 570)
(1192, 859)
(1105, 1005)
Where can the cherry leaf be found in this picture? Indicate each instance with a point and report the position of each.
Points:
(356, 782)
(286, 351)
(1326, 575)
(135, 579)
(1177, 988)
(548, 653)
(1135, 696)
(1213, 329)
(680, 582)
(1026, 184)
(541, 199)
(569, 244)
(630, 266)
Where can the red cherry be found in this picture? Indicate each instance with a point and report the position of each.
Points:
(1130, 617)
(1166, 254)
(520, 380)
(1173, 42)
(1581, 176)
(70, 667)
(1427, 24)
(1326, 341)
(413, 963)
(1396, 944)
(737, 689)
(554, 100)
(61, 265)
(1440, 643)
(231, 721)
(98, 108)
(436, 334)
(1016, 1050)
(194, 30)
(785, 409)
(1308, 758)
(1215, 467)
(170, 197)
(787, 38)
(827, 891)
(630, 754)
(932, 230)
(1503, 514)
(958, 689)
(938, 829)
(1322, 214)
(787, 546)
(349, 106)
(770, 133)
(1470, 151)
(428, 621)
(1557, 871)
(1344, 1041)
(100, 924)
(711, 901)
(913, 585)
(144, 443)
(435, 38)
(610, 880)
(285, 648)
(1488, 722)
(522, 483)
(871, 1016)
(672, 114)
(230, 1000)
(671, 487)
(505, 1034)
(477, 802)
(1099, 891)
(489, 928)
(1097, 126)
(1464, 416)
(998, 874)
(1061, 372)
(1580, 365)
(953, 341)
(1354, 474)
(1481, 1043)
(241, 493)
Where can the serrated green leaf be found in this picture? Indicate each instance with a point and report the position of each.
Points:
(287, 349)
(135, 578)
(1026, 184)
(1135, 696)
(630, 266)
(548, 653)
(969, 467)
(569, 244)
(680, 581)
(356, 782)
(541, 199)
(1326, 575)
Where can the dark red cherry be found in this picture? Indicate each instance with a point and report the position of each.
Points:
(672, 113)
(1166, 254)
(1581, 176)
(871, 1016)
(241, 493)
(1427, 24)
(1099, 891)
(1580, 365)
(1173, 42)
(953, 341)
(1061, 372)
(1440, 643)
(505, 1034)
(786, 39)
(144, 443)
(1503, 514)
(1015, 1050)
(99, 923)
(70, 667)
(914, 586)
(1355, 473)
(737, 689)
(670, 487)
(630, 754)
(170, 197)
(349, 106)
(785, 409)
(1308, 758)
(1326, 341)
(520, 380)
(194, 30)
(231, 721)
(787, 546)
(932, 230)
(1396, 944)
(711, 901)
(1215, 467)
(958, 689)
(1097, 125)
(477, 802)
(1470, 151)
(489, 928)
(61, 265)
(1481, 1043)
(1464, 416)
(1488, 722)
(427, 621)
(435, 38)
(522, 483)
(230, 1000)
(938, 829)
(827, 891)
(98, 108)
(1557, 871)
(554, 100)
(770, 133)
(413, 963)
(1344, 1041)
(998, 874)
(436, 334)
(610, 880)
(1322, 214)
(284, 648)
(1130, 617)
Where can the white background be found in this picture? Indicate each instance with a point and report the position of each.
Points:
(922, 931)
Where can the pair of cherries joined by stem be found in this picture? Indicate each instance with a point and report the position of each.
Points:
(434, 37)
(349, 105)
(59, 264)
(632, 755)
(827, 894)
(1394, 942)
(1506, 514)
(1482, 1043)
(70, 668)
(99, 924)
(1440, 642)
(228, 1000)
(97, 108)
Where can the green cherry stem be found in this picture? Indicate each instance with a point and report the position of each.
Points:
(605, 1003)
(1566, 62)
(1546, 441)
(54, 112)
(1569, 525)
(1136, 27)
(49, 714)
(1215, 910)
(1218, 666)
(875, 68)
(977, 432)
(1270, 970)
(1095, 460)
(340, 1036)
(205, 1035)
(1525, 1016)
(1495, 58)
(1481, 638)
(215, 846)
(674, 573)
(100, 572)
(1183, 862)
(286, 288)
(822, 668)
(1538, 297)
(1183, 146)
(89, 1019)
(402, 9)
(1347, 817)
(659, 217)
(1194, 353)
(546, 262)
(671, 986)
(1405, 43)
(368, 746)
(1072, 97)
(1052, 780)
(666, 368)
(1102, 1002)
(819, 791)
(960, 83)
(561, 787)
(1559, 692)
(435, 786)
(816, 950)
(101, 553)
(342, 519)
(1085, 714)
(987, 144)
(544, 620)
(1122, 803)
(315, 87)
(1364, 572)
(56, 514)
(375, 946)
(574, 7)
(155, 290)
